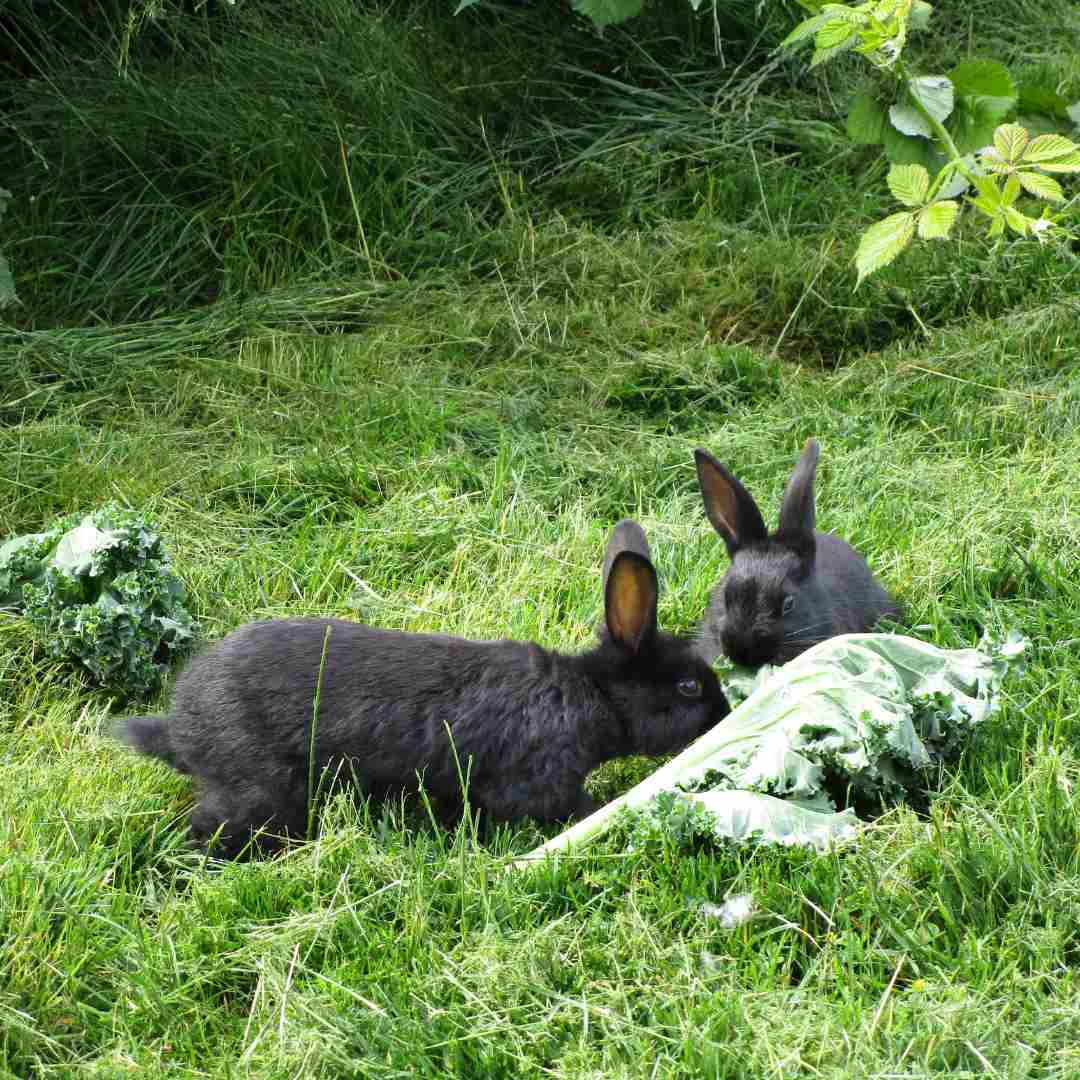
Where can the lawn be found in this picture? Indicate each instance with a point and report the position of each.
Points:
(441, 440)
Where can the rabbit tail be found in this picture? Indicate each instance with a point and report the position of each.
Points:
(150, 735)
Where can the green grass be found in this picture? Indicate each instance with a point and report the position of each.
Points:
(445, 446)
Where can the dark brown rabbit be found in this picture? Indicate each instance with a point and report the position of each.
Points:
(527, 724)
(787, 590)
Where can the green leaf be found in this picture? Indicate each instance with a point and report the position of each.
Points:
(985, 95)
(608, 12)
(934, 93)
(987, 85)
(953, 182)
(1042, 98)
(937, 219)
(989, 192)
(1010, 141)
(881, 243)
(1042, 187)
(972, 126)
(463, 5)
(822, 56)
(865, 120)
(833, 33)
(909, 121)
(990, 203)
(1047, 148)
(1011, 192)
(1070, 164)
(909, 184)
(806, 29)
(903, 149)
(919, 19)
(1019, 223)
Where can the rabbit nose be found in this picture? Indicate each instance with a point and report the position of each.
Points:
(746, 649)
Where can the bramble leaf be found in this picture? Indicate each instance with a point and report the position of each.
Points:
(911, 150)
(833, 33)
(1068, 164)
(986, 84)
(919, 19)
(954, 182)
(821, 56)
(607, 12)
(909, 184)
(806, 29)
(1054, 153)
(1018, 222)
(1042, 187)
(881, 243)
(971, 125)
(1010, 141)
(1048, 147)
(909, 121)
(865, 120)
(934, 93)
(936, 220)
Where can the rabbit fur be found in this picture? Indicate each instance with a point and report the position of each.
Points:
(528, 724)
(787, 590)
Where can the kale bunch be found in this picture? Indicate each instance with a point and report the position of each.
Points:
(100, 592)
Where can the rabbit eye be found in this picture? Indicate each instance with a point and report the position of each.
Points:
(689, 688)
(787, 605)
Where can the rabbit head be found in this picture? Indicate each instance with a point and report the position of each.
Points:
(787, 590)
(665, 693)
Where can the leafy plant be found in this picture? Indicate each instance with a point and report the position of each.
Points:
(871, 712)
(943, 133)
(101, 593)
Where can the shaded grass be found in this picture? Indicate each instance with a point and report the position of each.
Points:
(221, 157)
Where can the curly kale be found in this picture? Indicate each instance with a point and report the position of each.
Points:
(101, 593)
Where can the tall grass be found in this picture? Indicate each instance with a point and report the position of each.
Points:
(247, 154)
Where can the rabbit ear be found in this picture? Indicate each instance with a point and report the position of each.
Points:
(630, 600)
(728, 505)
(797, 515)
(628, 535)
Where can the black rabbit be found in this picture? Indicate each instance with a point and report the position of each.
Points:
(527, 724)
(786, 591)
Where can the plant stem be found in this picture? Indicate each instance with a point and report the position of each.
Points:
(940, 131)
